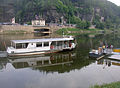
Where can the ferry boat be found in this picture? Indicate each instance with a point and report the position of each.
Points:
(40, 46)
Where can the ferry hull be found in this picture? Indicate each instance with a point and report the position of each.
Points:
(38, 53)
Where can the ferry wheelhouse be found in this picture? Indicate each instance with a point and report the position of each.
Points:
(39, 46)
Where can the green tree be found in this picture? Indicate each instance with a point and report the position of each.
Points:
(83, 25)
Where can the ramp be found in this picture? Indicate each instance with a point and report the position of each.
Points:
(116, 57)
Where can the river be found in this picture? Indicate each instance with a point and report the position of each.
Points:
(71, 69)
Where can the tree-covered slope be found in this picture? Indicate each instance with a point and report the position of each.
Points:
(7, 10)
(101, 13)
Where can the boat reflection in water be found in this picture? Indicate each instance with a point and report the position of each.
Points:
(43, 61)
(3, 63)
(108, 62)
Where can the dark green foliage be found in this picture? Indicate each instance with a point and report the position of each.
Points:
(111, 85)
(73, 11)
(100, 25)
(74, 19)
(83, 24)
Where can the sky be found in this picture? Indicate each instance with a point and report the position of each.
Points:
(117, 2)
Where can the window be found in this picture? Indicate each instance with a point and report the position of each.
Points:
(13, 45)
(46, 44)
(59, 43)
(19, 46)
(72, 41)
(39, 44)
(53, 43)
(24, 45)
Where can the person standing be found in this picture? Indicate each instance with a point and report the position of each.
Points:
(103, 48)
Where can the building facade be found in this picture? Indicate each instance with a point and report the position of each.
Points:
(40, 22)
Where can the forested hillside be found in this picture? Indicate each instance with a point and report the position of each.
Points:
(101, 13)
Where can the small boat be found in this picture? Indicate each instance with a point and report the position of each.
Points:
(116, 50)
(40, 46)
(95, 54)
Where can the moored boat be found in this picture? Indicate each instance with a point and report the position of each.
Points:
(40, 46)
(95, 54)
(116, 50)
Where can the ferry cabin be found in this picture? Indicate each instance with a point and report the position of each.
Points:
(37, 46)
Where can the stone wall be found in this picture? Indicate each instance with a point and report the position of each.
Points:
(28, 28)
(20, 27)
(16, 27)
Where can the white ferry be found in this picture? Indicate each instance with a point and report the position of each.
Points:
(40, 46)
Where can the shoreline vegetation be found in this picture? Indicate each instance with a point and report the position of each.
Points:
(111, 85)
(76, 31)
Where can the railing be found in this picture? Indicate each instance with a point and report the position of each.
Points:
(60, 47)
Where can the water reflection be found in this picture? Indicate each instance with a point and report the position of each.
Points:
(3, 63)
(42, 34)
(43, 61)
(56, 62)
(71, 69)
(108, 63)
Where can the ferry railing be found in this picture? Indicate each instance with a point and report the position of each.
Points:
(61, 47)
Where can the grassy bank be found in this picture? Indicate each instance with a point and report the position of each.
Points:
(75, 31)
(111, 85)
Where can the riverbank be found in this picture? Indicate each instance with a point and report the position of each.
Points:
(111, 85)
(18, 29)
(15, 29)
(22, 29)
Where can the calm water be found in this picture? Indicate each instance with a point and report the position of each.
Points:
(71, 69)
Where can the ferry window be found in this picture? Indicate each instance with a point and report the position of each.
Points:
(24, 45)
(59, 43)
(19, 46)
(53, 43)
(13, 45)
(71, 41)
(39, 44)
(65, 42)
(46, 43)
